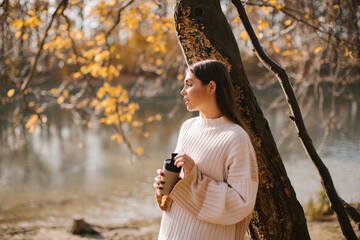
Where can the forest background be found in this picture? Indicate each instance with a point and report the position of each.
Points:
(98, 61)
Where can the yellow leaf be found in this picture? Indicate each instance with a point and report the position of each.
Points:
(276, 49)
(136, 123)
(31, 129)
(243, 35)
(150, 119)
(66, 93)
(76, 75)
(272, 2)
(11, 92)
(31, 104)
(289, 52)
(114, 136)
(287, 22)
(146, 135)
(54, 91)
(39, 110)
(140, 151)
(318, 49)
(32, 120)
(18, 23)
(60, 100)
(25, 36)
(89, 124)
(335, 6)
(150, 39)
(120, 139)
(262, 25)
(159, 61)
(266, 9)
(180, 76)
(18, 34)
(158, 117)
(159, 71)
(94, 102)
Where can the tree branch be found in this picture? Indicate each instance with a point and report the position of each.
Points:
(117, 21)
(283, 78)
(287, 10)
(25, 84)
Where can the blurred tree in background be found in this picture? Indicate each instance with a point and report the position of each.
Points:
(83, 56)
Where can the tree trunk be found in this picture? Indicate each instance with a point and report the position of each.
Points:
(204, 33)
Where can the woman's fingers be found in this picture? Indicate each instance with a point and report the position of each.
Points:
(185, 161)
(159, 181)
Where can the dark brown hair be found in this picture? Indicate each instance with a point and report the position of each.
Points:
(213, 70)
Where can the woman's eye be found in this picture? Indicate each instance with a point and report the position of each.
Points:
(188, 84)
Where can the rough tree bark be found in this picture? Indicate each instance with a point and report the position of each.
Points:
(204, 33)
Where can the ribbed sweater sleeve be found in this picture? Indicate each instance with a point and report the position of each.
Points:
(226, 201)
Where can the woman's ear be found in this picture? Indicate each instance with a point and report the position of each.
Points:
(212, 87)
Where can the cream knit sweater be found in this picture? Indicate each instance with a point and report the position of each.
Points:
(216, 199)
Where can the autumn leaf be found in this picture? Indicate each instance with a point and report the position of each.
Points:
(136, 123)
(243, 35)
(32, 121)
(18, 34)
(287, 22)
(39, 110)
(150, 119)
(150, 39)
(158, 117)
(60, 100)
(140, 151)
(159, 71)
(180, 76)
(158, 62)
(318, 49)
(31, 104)
(11, 92)
(276, 49)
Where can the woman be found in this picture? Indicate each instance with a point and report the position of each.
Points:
(216, 194)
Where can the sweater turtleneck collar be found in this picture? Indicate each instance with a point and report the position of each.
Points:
(212, 122)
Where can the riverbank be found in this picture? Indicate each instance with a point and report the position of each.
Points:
(324, 229)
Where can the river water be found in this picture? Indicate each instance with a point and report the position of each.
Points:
(64, 171)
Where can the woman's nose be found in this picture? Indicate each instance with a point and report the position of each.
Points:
(183, 92)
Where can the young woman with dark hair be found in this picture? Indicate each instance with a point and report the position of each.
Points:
(216, 194)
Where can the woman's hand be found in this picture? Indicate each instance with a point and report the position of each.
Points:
(183, 160)
(164, 201)
(159, 180)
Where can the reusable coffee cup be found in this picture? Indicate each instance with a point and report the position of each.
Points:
(171, 175)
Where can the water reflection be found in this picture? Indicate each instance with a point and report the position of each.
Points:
(68, 171)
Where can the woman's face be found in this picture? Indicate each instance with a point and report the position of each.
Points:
(195, 94)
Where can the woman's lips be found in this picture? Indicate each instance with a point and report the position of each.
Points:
(186, 101)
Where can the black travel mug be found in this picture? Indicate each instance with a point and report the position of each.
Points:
(171, 175)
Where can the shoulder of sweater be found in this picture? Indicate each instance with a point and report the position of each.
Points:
(188, 122)
(237, 134)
